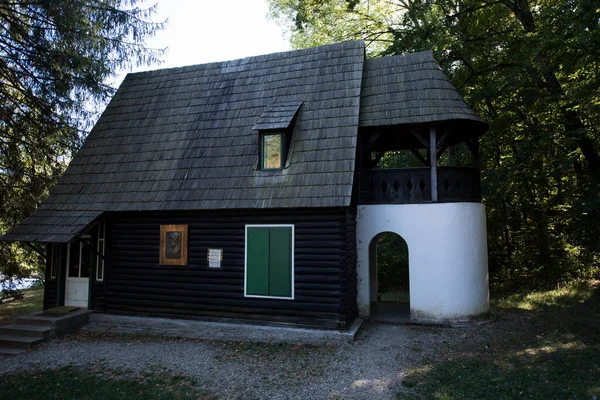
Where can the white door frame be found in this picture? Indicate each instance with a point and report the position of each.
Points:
(77, 288)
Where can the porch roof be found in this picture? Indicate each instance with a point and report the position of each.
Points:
(51, 225)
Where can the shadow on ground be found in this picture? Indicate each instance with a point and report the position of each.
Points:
(543, 346)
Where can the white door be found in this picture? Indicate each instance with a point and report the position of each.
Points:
(79, 259)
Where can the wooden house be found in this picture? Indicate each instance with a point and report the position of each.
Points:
(249, 189)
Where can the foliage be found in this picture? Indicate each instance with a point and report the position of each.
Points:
(317, 22)
(55, 59)
(392, 265)
(550, 352)
(531, 69)
(33, 300)
(97, 381)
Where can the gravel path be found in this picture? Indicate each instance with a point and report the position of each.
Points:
(370, 368)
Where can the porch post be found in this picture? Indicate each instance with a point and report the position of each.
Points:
(60, 275)
(433, 152)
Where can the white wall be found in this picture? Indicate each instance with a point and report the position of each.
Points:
(447, 252)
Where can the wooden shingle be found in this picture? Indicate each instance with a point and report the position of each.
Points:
(410, 89)
(186, 138)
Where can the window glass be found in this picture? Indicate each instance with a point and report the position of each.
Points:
(86, 260)
(54, 260)
(74, 260)
(271, 151)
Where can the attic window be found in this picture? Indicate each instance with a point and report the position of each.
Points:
(271, 156)
(276, 127)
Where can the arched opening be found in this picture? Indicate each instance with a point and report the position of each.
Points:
(389, 276)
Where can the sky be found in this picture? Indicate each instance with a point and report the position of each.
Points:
(201, 31)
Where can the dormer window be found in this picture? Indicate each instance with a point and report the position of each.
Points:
(271, 151)
(276, 127)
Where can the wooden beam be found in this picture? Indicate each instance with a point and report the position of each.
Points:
(443, 139)
(366, 151)
(94, 251)
(378, 158)
(441, 151)
(473, 145)
(420, 157)
(419, 137)
(40, 252)
(371, 142)
(433, 151)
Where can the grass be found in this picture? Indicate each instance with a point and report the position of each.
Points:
(33, 300)
(101, 383)
(546, 345)
(398, 296)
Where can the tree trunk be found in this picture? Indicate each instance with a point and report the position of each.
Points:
(572, 122)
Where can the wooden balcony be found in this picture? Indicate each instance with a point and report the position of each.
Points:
(413, 185)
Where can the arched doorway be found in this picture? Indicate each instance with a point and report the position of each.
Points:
(389, 273)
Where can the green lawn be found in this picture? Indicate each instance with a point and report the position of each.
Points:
(545, 345)
(101, 383)
(33, 300)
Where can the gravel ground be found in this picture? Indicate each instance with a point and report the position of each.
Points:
(370, 368)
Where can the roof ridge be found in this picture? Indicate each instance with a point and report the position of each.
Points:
(248, 59)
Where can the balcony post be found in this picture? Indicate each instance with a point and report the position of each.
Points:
(433, 157)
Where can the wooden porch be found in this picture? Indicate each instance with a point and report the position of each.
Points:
(408, 164)
(413, 185)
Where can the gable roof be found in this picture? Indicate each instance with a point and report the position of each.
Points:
(187, 138)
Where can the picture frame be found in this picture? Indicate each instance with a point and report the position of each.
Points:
(173, 245)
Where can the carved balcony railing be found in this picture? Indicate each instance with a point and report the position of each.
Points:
(413, 185)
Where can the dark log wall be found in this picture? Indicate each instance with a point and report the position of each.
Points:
(97, 296)
(50, 293)
(350, 284)
(325, 267)
(50, 284)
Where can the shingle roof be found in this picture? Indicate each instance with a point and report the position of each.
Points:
(410, 89)
(186, 138)
(51, 226)
(278, 115)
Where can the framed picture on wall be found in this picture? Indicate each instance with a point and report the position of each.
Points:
(173, 244)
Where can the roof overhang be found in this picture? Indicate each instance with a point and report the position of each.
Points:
(51, 226)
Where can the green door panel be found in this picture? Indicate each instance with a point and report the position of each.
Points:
(257, 261)
(280, 262)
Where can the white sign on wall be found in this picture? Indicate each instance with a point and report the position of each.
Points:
(215, 256)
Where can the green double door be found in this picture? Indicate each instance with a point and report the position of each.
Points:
(269, 269)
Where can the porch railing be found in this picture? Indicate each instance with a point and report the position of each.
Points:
(413, 185)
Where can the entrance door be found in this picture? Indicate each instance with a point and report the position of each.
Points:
(79, 259)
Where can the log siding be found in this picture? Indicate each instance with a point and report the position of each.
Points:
(50, 284)
(324, 259)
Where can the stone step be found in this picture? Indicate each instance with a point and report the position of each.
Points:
(28, 330)
(18, 342)
(43, 332)
(34, 320)
(67, 322)
(10, 351)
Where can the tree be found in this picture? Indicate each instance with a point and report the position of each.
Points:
(530, 68)
(55, 59)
